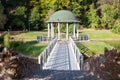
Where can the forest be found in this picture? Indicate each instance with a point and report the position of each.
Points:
(33, 14)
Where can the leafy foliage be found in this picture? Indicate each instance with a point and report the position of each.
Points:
(109, 14)
(93, 18)
(17, 24)
(32, 14)
(6, 40)
(116, 27)
(35, 17)
(2, 16)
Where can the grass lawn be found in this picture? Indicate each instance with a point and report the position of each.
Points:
(99, 40)
(100, 34)
(29, 35)
(116, 44)
(93, 47)
(26, 43)
(31, 48)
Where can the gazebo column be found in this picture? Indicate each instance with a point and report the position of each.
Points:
(77, 32)
(67, 31)
(74, 30)
(52, 30)
(48, 30)
(58, 31)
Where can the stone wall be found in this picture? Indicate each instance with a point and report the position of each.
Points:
(106, 66)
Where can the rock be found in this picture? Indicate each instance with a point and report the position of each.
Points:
(107, 66)
(14, 66)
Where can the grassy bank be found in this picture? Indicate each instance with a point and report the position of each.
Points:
(100, 34)
(116, 43)
(31, 48)
(93, 47)
(99, 40)
(26, 43)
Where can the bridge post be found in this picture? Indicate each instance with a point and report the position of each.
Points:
(81, 62)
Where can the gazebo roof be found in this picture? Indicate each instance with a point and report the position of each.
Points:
(63, 16)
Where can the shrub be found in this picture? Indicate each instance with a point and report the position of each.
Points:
(6, 40)
(116, 28)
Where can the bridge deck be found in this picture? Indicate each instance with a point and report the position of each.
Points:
(62, 58)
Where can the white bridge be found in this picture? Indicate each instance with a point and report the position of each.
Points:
(61, 55)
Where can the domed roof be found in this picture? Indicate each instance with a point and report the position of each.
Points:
(63, 16)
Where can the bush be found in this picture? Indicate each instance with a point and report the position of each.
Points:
(6, 40)
(116, 28)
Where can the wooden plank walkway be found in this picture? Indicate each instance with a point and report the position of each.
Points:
(61, 58)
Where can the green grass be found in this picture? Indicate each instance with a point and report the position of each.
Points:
(116, 43)
(31, 48)
(25, 43)
(99, 40)
(93, 47)
(100, 34)
(29, 35)
(90, 48)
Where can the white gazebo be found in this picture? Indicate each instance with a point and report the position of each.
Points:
(62, 16)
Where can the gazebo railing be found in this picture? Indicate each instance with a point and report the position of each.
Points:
(77, 53)
(84, 37)
(42, 58)
(42, 38)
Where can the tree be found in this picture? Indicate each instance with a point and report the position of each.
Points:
(2, 17)
(109, 15)
(35, 18)
(116, 27)
(19, 17)
(76, 8)
(17, 24)
(93, 18)
(61, 4)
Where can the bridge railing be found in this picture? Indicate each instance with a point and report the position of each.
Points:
(42, 58)
(77, 53)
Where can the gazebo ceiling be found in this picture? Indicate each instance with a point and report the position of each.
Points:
(63, 16)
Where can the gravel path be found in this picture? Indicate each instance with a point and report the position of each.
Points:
(59, 75)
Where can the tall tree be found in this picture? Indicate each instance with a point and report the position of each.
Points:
(35, 18)
(2, 17)
(61, 4)
(93, 18)
(76, 7)
(109, 15)
(19, 21)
